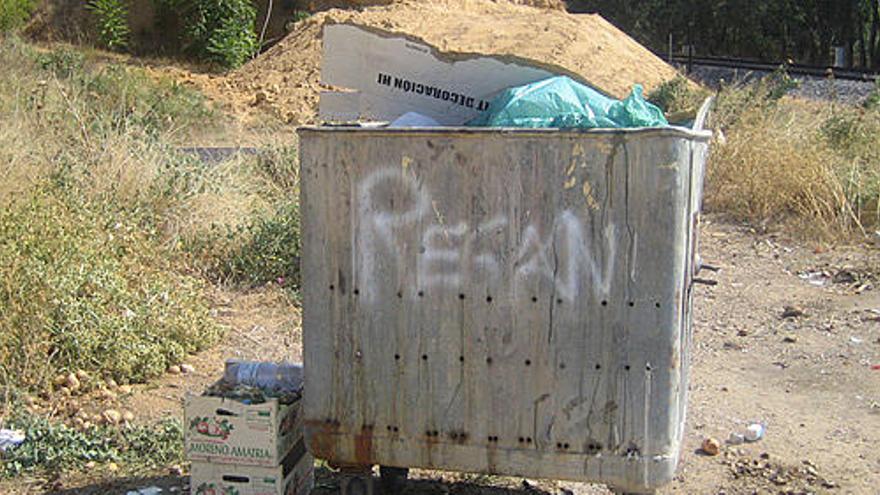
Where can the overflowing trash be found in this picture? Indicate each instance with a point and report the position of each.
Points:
(244, 434)
(255, 382)
(561, 102)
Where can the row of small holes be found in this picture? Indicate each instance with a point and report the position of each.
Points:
(489, 299)
(456, 435)
(528, 362)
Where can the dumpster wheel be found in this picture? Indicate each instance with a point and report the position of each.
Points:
(392, 479)
(357, 483)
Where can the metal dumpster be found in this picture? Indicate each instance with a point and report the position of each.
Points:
(504, 301)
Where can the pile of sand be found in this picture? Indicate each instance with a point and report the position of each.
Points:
(285, 79)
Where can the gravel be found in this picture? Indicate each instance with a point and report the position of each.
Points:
(812, 87)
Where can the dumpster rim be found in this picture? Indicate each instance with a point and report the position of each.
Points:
(676, 131)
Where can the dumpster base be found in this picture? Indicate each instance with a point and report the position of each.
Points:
(624, 473)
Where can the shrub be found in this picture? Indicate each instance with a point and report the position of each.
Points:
(260, 243)
(220, 31)
(808, 166)
(678, 95)
(82, 289)
(14, 13)
(87, 184)
(112, 22)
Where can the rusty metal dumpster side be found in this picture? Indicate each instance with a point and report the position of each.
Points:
(502, 301)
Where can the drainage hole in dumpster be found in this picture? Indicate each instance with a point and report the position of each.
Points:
(598, 366)
(631, 303)
(493, 439)
(332, 287)
(559, 300)
(594, 448)
(521, 440)
(421, 293)
(648, 367)
(357, 292)
(397, 357)
(460, 359)
(528, 439)
(657, 305)
(562, 366)
(461, 296)
(399, 295)
(604, 303)
(424, 357)
(627, 367)
(534, 299)
(528, 362)
(489, 360)
(489, 299)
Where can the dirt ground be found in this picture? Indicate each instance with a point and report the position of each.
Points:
(808, 377)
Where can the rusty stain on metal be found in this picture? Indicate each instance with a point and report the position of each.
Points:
(363, 445)
(322, 442)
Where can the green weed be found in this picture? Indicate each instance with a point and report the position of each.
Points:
(112, 22)
(14, 13)
(51, 447)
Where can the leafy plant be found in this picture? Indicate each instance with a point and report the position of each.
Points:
(54, 447)
(677, 95)
(14, 13)
(112, 19)
(220, 31)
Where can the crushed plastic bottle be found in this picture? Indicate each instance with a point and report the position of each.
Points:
(271, 377)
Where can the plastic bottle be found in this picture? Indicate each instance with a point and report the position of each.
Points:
(280, 377)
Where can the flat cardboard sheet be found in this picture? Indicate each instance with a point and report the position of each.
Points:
(389, 75)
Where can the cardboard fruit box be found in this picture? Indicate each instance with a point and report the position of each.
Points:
(294, 476)
(229, 431)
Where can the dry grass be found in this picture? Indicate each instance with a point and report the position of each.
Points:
(809, 168)
(102, 221)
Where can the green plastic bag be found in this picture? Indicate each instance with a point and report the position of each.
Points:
(561, 102)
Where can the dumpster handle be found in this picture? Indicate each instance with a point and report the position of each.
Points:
(703, 113)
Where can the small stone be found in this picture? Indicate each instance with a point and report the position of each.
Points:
(66, 392)
(742, 333)
(259, 97)
(789, 339)
(764, 455)
(108, 394)
(28, 400)
(91, 465)
(111, 416)
(87, 425)
(711, 446)
(125, 389)
(111, 383)
(112, 467)
(59, 380)
(187, 368)
(82, 375)
(174, 369)
(78, 422)
(72, 382)
(128, 416)
(792, 311)
(175, 470)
